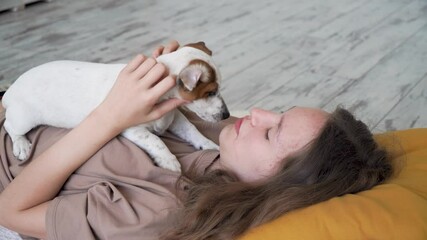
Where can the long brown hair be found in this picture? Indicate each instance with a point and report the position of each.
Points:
(343, 159)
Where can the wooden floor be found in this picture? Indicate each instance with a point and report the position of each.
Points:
(368, 55)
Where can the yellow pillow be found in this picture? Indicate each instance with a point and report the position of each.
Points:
(394, 210)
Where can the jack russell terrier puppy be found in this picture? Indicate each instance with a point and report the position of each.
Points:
(63, 93)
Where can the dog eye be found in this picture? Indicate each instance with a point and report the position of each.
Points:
(211, 93)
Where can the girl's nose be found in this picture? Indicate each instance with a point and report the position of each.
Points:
(263, 118)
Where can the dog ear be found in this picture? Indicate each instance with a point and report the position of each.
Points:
(190, 76)
(201, 46)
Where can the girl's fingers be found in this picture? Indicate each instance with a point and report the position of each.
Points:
(134, 63)
(158, 51)
(171, 47)
(163, 86)
(166, 106)
(144, 68)
(153, 76)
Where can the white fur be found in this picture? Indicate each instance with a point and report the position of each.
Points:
(63, 93)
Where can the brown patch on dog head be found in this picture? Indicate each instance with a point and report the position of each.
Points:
(208, 72)
(201, 46)
(202, 90)
(205, 86)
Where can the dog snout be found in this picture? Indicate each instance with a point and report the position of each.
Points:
(225, 114)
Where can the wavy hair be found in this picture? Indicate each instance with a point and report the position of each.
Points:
(343, 159)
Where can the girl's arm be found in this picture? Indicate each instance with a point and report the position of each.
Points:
(131, 101)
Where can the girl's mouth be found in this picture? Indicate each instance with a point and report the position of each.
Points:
(237, 125)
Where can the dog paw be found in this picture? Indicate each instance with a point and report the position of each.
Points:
(21, 148)
(170, 163)
(208, 144)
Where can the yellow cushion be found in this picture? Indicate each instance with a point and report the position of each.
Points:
(394, 210)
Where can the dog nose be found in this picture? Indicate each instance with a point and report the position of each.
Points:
(225, 115)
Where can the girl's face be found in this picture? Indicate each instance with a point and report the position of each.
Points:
(255, 145)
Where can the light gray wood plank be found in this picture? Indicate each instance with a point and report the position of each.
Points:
(410, 112)
(350, 26)
(275, 65)
(376, 93)
(359, 56)
(309, 89)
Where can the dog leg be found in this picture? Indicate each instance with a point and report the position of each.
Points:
(154, 146)
(184, 129)
(21, 147)
(17, 131)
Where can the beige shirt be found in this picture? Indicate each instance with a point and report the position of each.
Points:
(118, 193)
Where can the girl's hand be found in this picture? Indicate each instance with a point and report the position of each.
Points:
(134, 97)
(171, 47)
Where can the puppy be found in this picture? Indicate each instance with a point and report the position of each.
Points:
(63, 93)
